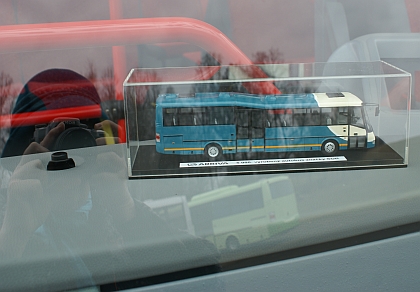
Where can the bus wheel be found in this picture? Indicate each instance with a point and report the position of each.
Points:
(232, 243)
(329, 147)
(213, 151)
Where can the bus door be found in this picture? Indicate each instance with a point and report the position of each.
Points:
(357, 128)
(249, 130)
(337, 121)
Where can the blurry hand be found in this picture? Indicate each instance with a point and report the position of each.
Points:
(48, 141)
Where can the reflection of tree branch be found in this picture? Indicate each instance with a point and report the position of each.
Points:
(5, 86)
(210, 59)
(210, 69)
(105, 85)
(8, 93)
(142, 93)
(91, 74)
(107, 91)
(273, 56)
(143, 98)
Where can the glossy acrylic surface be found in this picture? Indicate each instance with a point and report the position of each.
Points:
(90, 226)
(215, 113)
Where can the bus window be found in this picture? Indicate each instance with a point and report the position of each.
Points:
(298, 117)
(256, 118)
(242, 122)
(312, 117)
(236, 204)
(220, 115)
(169, 117)
(227, 115)
(343, 115)
(356, 118)
(257, 124)
(287, 118)
(185, 117)
(328, 116)
(199, 116)
(275, 118)
(242, 118)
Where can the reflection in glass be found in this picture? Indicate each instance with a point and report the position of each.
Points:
(234, 215)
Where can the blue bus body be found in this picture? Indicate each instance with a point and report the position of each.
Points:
(236, 122)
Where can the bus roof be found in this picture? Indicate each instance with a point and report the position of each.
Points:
(305, 100)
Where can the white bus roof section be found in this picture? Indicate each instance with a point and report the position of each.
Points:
(346, 99)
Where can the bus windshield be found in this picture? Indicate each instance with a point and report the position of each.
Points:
(356, 117)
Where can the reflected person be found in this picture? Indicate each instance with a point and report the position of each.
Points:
(87, 222)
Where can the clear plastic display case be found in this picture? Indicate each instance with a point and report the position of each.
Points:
(213, 120)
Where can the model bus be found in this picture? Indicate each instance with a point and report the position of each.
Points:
(233, 216)
(217, 123)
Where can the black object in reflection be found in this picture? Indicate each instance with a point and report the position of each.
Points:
(60, 161)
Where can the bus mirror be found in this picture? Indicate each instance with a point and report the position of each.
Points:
(377, 111)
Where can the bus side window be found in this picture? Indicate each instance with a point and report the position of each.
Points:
(278, 118)
(299, 117)
(271, 120)
(184, 120)
(343, 116)
(185, 117)
(287, 118)
(230, 116)
(256, 124)
(242, 123)
(225, 116)
(218, 116)
(169, 117)
(242, 119)
(327, 116)
(198, 120)
(312, 117)
(198, 116)
(238, 203)
(256, 119)
(213, 115)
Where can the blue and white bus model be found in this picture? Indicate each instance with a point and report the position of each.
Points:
(219, 123)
